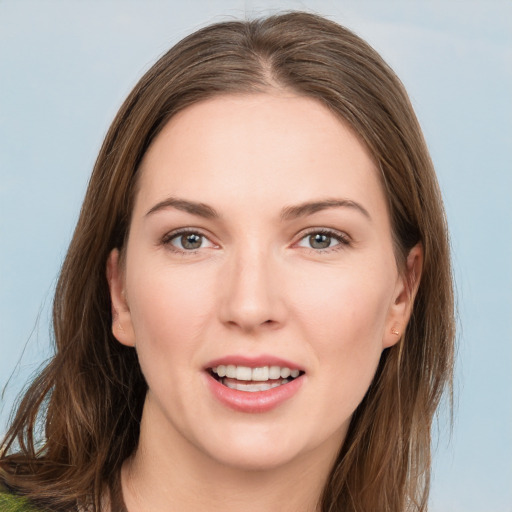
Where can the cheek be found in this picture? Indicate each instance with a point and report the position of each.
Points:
(168, 311)
(344, 302)
(343, 316)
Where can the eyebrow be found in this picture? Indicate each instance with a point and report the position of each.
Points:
(288, 213)
(308, 208)
(199, 209)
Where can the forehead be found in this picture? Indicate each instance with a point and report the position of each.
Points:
(259, 149)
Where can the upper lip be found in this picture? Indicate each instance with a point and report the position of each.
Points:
(253, 361)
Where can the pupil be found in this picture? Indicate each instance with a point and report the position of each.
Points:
(191, 241)
(319, 241)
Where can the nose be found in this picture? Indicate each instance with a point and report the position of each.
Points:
(251, 291)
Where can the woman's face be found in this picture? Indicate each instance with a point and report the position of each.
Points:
(260, 245)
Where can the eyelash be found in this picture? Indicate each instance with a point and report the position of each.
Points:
(342, 239)
(169, 237)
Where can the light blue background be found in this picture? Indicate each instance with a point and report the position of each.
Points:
(65, 67)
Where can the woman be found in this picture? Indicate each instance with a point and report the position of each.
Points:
(256, 309)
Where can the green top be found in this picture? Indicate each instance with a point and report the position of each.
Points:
(11, 503)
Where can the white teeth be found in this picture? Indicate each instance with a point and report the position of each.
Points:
(243, 373)
(259, 374)
(242, 386)
(274, 372)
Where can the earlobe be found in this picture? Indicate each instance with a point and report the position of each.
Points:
(405, 292)
(122, 328)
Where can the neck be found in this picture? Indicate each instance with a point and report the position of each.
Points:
(167, 473)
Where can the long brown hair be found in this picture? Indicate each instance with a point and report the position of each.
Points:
(89, 398)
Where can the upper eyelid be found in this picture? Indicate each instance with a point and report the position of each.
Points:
(327, 231)
(179, 231)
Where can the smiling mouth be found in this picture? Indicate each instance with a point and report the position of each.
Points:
(245, 378)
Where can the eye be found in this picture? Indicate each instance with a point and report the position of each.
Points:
(322, 240)
(187, 241)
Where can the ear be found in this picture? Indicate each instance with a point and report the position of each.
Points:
(405, 291)
(122, 327)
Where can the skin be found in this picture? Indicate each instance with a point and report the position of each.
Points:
(255, 286)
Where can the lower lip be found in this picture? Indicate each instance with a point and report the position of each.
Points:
(257, 401)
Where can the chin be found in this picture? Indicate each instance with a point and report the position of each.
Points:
(268, 448)
(254, 458)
